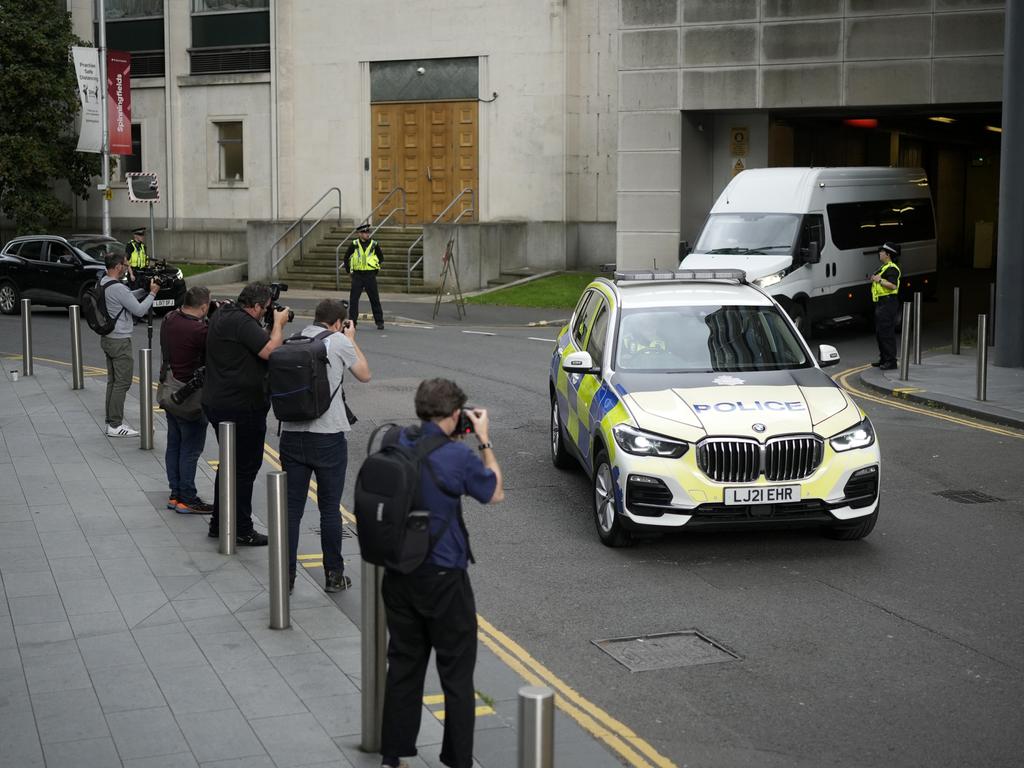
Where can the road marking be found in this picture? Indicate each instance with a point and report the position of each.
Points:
(537, 338)
(905, 390)
(480, 712)
(843, 379)
(619, 737)
(481, 333)
(311, 557)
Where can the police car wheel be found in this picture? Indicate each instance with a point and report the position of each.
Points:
(606, 518)
(858, 530)
(559, 455)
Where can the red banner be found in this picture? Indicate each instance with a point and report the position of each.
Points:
(119, 102)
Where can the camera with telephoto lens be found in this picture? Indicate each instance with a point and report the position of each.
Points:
(273, 306)
(194, 383)
(465, 426)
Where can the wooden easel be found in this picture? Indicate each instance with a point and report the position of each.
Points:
(449, 265)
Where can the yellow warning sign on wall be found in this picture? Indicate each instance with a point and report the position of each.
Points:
(738, 167)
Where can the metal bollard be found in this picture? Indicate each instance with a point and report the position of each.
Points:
(992, 314)
(374, 654)
(277, 524)
(917, 327)
(905, 343)
(982, 358)
(26, 337)
(956, 321)
(226, 488)
(77, 372)
(536, 727)
(146, 399)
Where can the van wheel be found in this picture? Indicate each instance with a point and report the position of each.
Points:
(559, 455)
(10, 299)
(606, 516)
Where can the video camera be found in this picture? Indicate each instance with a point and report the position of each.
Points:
(465, 426)
(194, 383)
(273, 306)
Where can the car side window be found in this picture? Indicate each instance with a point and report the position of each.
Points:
(60, 253)
(582, 317)
(32, 249)
(598, 336)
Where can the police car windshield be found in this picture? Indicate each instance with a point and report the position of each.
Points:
(697, 339)
(749, 233)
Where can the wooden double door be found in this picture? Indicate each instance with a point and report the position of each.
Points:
(429, 149)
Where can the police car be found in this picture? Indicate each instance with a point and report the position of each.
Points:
(691, 401)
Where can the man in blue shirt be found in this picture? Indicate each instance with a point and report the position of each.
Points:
(433, 607)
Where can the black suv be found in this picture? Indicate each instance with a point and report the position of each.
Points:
(54, 271)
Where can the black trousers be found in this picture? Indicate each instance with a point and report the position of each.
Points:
(365, 281)
(250, 432)
(430, 608)
(886, 313)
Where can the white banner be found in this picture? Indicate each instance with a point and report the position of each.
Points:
(87, 69)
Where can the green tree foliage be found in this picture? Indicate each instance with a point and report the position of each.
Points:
(38, 105)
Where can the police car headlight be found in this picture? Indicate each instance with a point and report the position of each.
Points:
(767, 280)
(181, 275)
(860, 436)
(640, 443)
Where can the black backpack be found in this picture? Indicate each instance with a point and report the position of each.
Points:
(300, 389)
(94, 308)
(391, 523)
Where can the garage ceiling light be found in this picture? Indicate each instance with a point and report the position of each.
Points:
(993, 128)
(946, 120)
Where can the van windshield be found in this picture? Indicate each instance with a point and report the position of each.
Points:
(748, 233)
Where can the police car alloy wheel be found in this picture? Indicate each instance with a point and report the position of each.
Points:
(609, 527)
(559, 457)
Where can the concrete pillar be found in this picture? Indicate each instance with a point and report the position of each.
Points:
(1009, 352)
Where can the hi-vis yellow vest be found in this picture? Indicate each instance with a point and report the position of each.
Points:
(878, 290)
(364, 259)
(137, 255)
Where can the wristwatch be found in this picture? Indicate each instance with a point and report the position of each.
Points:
(485, 446)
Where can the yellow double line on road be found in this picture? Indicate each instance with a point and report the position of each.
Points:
(634, 750)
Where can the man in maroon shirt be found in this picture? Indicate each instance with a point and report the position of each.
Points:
(183, 343)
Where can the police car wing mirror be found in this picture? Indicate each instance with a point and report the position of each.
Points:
(827, 355)
(578, 362)
(812, 253)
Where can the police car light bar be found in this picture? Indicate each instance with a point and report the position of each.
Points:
(738, 275)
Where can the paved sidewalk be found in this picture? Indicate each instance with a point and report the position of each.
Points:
(950, 381)
(127, 640)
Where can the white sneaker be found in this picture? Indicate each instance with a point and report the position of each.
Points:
(122, 431)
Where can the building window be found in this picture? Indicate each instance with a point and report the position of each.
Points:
(132, 9)
(230, 151)
(230, 36)
(133, 163)
(233, 6)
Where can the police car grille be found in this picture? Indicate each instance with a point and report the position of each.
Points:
(792, 458)
(730, 461)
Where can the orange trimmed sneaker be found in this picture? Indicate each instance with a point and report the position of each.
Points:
(177, 506)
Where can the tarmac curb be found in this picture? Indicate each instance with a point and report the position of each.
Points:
(876, 381)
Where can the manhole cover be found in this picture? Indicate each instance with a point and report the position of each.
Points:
(664, 651)
(968, 497)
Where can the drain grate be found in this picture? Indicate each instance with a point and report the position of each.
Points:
(968, 497)
(665, 651)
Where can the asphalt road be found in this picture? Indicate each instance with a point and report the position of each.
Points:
(904, 649)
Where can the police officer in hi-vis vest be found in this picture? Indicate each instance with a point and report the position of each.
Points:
(362, 260)
(135, 249)
(885, 287)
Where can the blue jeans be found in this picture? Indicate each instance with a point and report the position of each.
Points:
(185, 442)
(305, 453)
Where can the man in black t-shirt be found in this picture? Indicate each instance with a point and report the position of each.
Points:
(237, 348)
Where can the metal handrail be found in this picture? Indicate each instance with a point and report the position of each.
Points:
(301, 220)
(408, 256)
(367, 220)
(298, 243)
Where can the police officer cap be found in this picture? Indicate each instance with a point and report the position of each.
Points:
(139, 231)
(890, 248)
(363, 228)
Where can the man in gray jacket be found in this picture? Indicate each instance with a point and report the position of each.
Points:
(117, 345)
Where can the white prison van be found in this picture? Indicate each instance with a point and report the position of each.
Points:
(810, 236)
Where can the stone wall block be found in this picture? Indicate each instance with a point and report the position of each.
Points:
(795, 9)
(968, 5)
(718, 11)
(720, 46)
(648, 130)
(881, 7)
(888, 36)
(649, 13)
(649, 49)
(888, 82)
(649, 90)
(720, 88)
(649, 171)
(804, 86)
(968, 33)
(970, 78)
(802, 41)
(649, 211)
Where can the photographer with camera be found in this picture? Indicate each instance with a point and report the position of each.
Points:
(183, 348)
(433, 606)
(237, 349)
